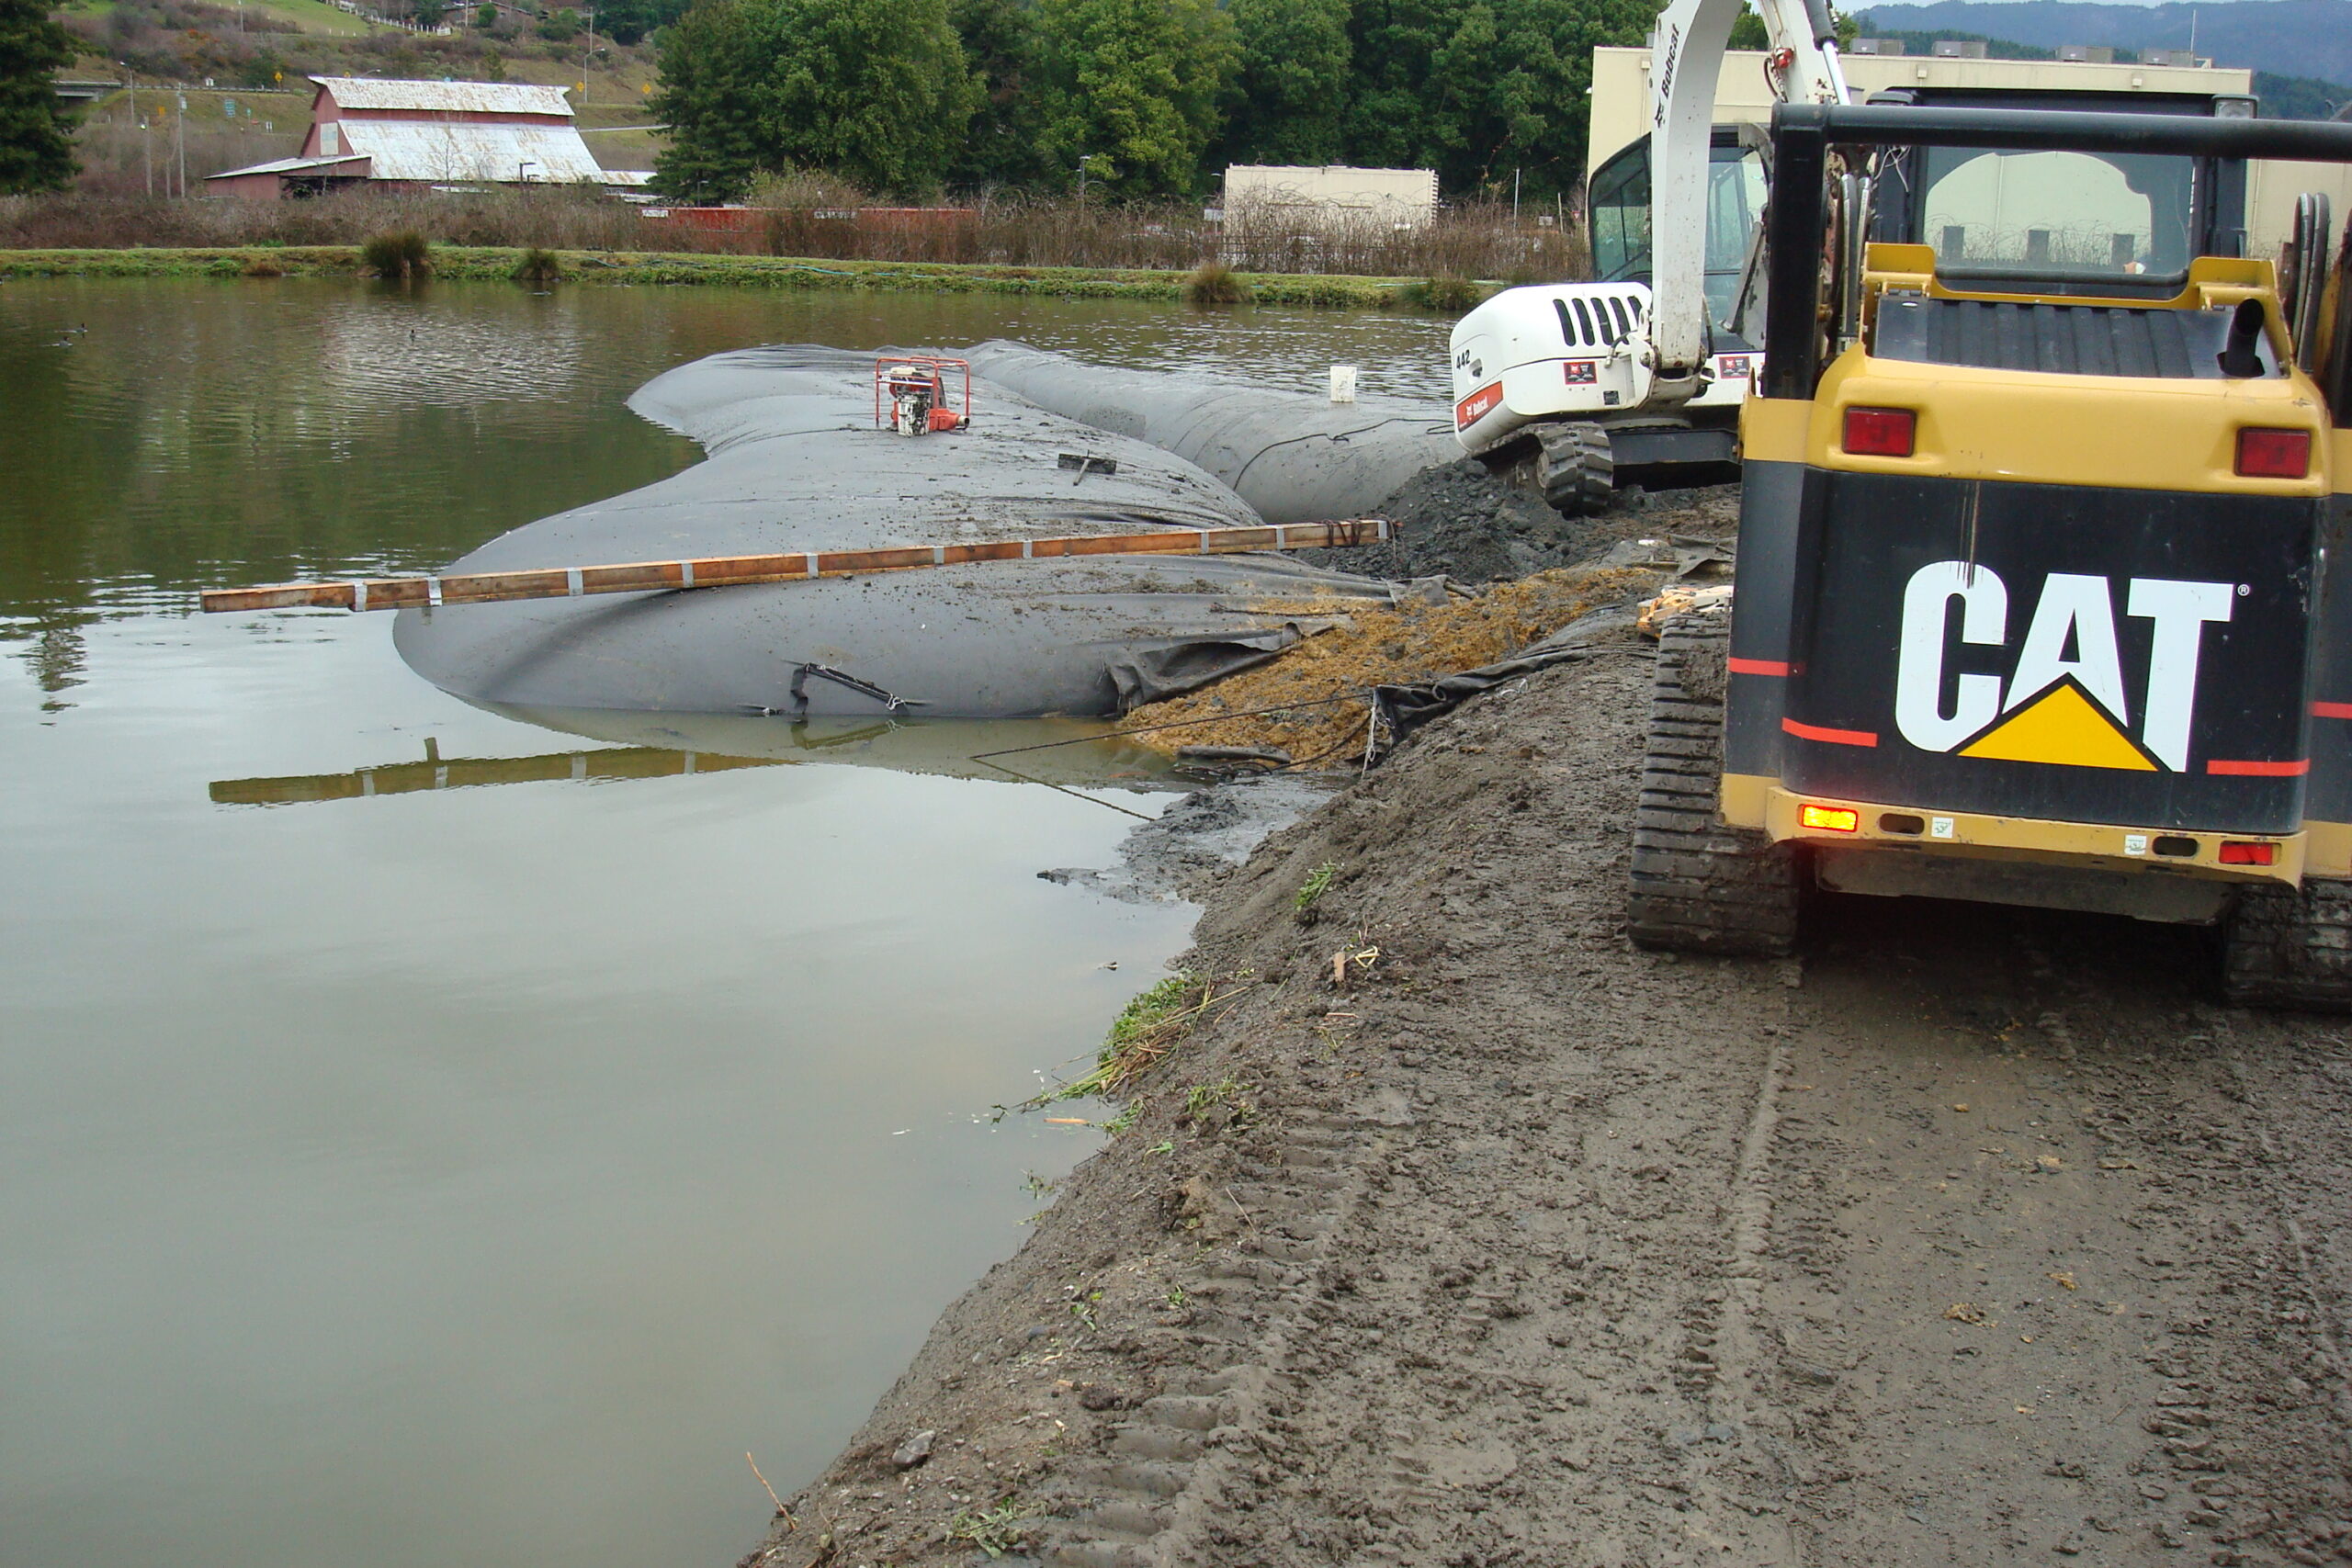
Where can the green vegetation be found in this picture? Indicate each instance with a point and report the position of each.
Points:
(1129, 91)
(1131, 98)
(1311, 891)
(1451, 296)
(996, 1529)
(35, 141)
(1204, 1098)
(1288, 100)
(1214, 283)
(2298, 97)
(876, 91)
(638, 267)
(403, 254)
(539, 266)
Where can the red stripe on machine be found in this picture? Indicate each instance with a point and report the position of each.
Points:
(2332, 710)
(1834, 736)
(1757, 666)
(2259, 770)
(1477, 405)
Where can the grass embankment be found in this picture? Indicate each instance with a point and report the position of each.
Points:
(499, 263)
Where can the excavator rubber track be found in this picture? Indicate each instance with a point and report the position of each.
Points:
(1696, 884)
(1574, 467)
(2290, 947)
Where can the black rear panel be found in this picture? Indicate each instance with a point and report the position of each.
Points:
(2053, 651)
(2066, 340)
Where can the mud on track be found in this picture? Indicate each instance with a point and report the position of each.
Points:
(1976, 1236)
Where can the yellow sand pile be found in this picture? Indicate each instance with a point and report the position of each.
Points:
(1397, 646)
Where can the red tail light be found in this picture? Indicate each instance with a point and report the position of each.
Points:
(2274, 453)
(1880, 432)
(1829, 819)
(2236, 854)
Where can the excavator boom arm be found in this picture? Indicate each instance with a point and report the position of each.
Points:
(1687, 49)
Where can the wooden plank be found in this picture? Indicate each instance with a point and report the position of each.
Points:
(731, 571)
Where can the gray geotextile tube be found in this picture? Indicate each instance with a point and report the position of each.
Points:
(1293, 457)
(796, 463)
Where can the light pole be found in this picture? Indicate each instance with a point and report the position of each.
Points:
(1084, 159)
(146, 156)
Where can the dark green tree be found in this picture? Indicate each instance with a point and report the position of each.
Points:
(709, 96)
(36, 133)
(1131, 86)
(632, 21)
(1000, 45)
(1479, 89)
(1288, 101)
(876, 91)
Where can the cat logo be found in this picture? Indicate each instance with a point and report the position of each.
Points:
(2065, 700)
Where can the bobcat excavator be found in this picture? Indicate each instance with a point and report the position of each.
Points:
(2043, 595)
(1594, 383)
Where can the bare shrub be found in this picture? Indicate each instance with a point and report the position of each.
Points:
(1470, 243)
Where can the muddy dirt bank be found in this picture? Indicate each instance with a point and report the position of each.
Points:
(1975, 1236)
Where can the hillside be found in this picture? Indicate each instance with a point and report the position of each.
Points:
(2288, 38)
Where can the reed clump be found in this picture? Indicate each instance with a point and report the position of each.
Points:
(403, 253)
(1213, 283)
(539, 266)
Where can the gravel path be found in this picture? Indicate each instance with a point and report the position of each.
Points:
(1976, 1236)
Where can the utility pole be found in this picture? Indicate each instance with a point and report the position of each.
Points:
(146, 154)
(180, 132)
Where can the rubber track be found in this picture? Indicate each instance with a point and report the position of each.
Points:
(1576, 468)
(2290, 947)
(1697, 886)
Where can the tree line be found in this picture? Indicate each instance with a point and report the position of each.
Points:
(1130, 98)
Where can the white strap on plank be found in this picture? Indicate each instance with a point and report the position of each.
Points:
(433, 591)
(685, 574)
(571, 582)
(358, 597)
(811, 558)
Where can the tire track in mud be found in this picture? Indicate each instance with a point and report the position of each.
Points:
(1977, 1236)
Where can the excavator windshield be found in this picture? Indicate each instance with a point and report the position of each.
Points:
(1619, 217)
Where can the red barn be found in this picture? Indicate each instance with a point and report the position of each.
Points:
(421, 135)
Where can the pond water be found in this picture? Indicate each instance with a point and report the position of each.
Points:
(427, 1137)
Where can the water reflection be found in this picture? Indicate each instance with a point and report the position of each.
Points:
(407, 350)
(1064, 753)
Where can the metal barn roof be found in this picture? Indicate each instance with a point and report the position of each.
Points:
(419, 150)
(363, 92)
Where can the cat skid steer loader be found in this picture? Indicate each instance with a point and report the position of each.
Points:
(2043, 596)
